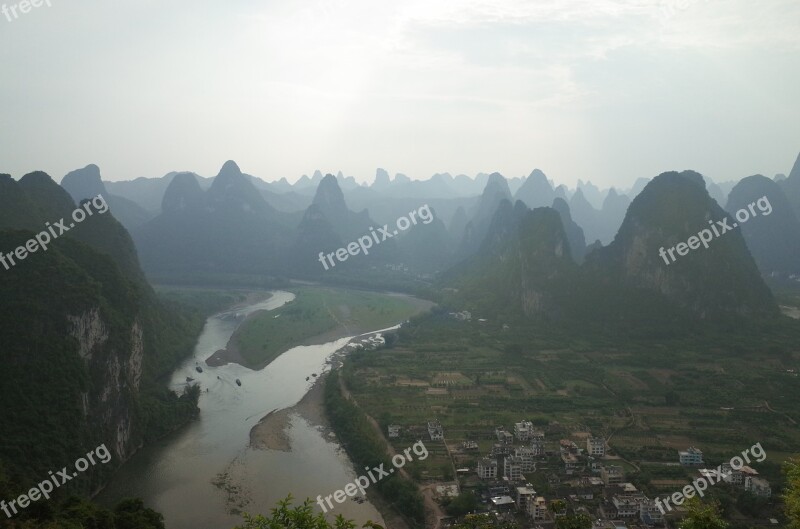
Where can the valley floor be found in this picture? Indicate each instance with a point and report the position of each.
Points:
(647, 398)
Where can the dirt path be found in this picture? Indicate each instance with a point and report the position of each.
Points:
(766, 404)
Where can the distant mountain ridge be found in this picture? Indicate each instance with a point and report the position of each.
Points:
(524, 265)
(773, 235)
(278, 217)
(87, 183)
(229, 227)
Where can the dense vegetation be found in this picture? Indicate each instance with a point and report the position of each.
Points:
(85, 344)
(367, 448)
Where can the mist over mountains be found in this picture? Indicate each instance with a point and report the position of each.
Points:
(235, 223)
(265, 227)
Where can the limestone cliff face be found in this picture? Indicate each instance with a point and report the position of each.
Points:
(85, 341)
(710, 282)
(90, 332)
(115, 372)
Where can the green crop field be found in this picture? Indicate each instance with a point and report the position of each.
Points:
(722, 394)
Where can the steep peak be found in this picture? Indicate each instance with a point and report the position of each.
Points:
(38, 178)
(48, 196)
(538, 174)
(229, 168)
(84, 183)
(497, 186)
(381, 178)
(560, 205)
(232, 190)
(795, 173)
(183, 193)
(329, 197)
(229, 176)
(575, 235)
(495, 179)
(710, 282)
(536, 190)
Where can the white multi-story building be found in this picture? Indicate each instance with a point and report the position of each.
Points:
(628, 505)
(537, 445)
(523, 430)
(435, 430)
(758, 486)
(487, 468)
(571, 462)
(512, 468)
(503, 436)
(528, 458)
(524, 496)
(501, 449)
(731, 476)
(691, 457)
(649, 513)
(612, 475)
(537, 508)
(596, 446)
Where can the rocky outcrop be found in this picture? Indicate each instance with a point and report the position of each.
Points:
(89, 330)
(118, 375)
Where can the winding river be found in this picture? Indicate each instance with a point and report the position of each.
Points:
(200, 477)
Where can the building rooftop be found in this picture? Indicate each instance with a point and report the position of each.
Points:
(499, 501)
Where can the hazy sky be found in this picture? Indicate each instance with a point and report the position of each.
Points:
(594, 89)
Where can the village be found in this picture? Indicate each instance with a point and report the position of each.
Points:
(531, 479)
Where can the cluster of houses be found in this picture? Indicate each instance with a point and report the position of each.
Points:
(745, 477)
(508, 464)
(594, 481)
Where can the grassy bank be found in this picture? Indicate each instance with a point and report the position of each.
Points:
(318, 311)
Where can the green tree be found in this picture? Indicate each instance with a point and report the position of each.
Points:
(483, 521)
(132, 514)
(285, 516)
(574, 521)
(462, 504)
(791, 496)
(558, 506)
(703, 516)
